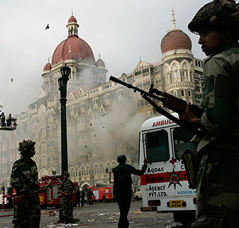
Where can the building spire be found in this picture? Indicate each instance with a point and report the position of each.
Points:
(173, 20)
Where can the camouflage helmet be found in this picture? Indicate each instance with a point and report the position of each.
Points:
(25, 145)
(66, 173)
(218, 14)
(121, 158)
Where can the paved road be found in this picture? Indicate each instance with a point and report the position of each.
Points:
(101, 216)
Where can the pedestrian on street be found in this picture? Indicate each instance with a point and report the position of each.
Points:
(122, 184)
(89, 196)
(66, 188)
(217, 24)
(82, 198)
(24, 179)
(77, 196)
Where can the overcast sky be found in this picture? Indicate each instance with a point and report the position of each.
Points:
(121, 31)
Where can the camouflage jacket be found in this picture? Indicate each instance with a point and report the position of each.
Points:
(66, 187)
(220, 100)
(24, 177)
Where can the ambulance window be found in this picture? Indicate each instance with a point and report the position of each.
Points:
(182, 142)
(157, 146)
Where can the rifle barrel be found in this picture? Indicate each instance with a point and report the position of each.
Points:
(112, 78)
(162, 99)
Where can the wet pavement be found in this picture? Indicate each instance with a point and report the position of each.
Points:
(103, 215)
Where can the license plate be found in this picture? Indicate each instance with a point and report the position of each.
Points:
(175, 203)
(41, 198)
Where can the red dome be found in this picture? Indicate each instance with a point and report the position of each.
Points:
(47, 67)
(72, 19)
(79, 50)
(100, 63)
(175, 39)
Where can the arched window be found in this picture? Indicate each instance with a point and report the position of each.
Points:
(107, 99)
(72, 172)
(102, 170)
(82, 171)
(96, 169)
(95, 103)
(114, 164)
(87, 170)
(82, 107)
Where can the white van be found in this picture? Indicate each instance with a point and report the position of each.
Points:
(165, 185)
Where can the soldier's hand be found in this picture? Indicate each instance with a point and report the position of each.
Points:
(146, 161)
(189, 119)
(42, 189)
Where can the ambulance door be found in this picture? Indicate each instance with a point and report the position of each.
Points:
(157, 151)
(181, 141)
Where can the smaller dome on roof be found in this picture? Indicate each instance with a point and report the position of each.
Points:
(47, 67)
(72, 19)
(100, 63)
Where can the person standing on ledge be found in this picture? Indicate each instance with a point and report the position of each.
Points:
(122, 184)
(217, 24)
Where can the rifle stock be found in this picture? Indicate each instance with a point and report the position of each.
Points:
(18, 198)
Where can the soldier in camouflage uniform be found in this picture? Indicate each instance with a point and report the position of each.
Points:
(66, 190)
(217, 24)
(24, 179)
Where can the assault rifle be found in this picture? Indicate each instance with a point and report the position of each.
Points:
(169, 101)
(18, 198)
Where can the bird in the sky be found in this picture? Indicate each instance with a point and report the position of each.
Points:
(11, 79)
(47, 27)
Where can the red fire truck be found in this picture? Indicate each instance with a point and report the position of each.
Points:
(50, 197)
(102, 192)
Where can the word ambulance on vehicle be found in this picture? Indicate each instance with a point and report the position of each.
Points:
(164, 185)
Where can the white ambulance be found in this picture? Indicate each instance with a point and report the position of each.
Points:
(164, 185)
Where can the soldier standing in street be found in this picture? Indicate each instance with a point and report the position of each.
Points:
(217, 24)
(66, 190)
(24, 179)
(122, 183)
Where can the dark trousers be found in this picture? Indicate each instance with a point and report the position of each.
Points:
(27, 215)
(124, 201)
